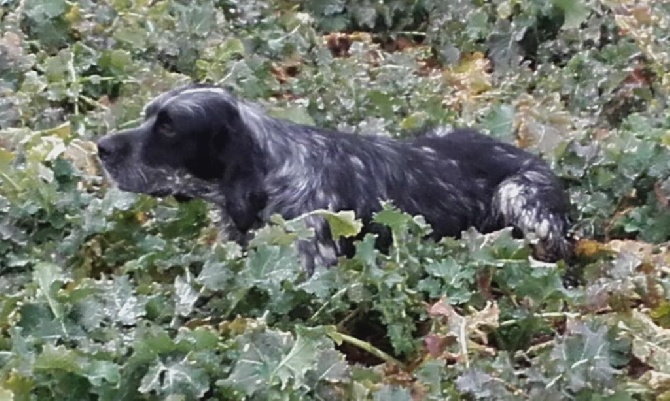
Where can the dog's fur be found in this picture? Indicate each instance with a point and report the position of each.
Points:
(199, 141)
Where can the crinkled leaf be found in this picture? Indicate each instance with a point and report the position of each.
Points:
(262, 352)
(38, 320)
(44, 9)
(185, 296)
(575, 11)
(342, 224)
(273, 358)
(500, 121)
(331, 367)
(178, 377)
(392, 393)
(649, 342)
(448, 277)
(431, 374)
(214, 275)
(99, 371)
(482, 386)
(267, 266)
(59, 358)
(50, 278)
(123, 305)
(583, 358)
(393, 218)
(152, 342)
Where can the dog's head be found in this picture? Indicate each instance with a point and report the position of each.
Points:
(179, 148)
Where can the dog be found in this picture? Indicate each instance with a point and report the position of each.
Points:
(200, 141)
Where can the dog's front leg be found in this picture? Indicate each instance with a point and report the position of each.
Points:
(320, 250)
(229, 231)
(240, 212)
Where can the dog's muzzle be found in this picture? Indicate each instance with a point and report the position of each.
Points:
(109, 146)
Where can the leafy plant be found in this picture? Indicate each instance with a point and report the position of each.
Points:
(113, 296)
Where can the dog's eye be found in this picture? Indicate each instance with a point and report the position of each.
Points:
(166, 130)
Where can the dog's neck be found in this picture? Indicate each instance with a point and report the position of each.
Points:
(187, 186)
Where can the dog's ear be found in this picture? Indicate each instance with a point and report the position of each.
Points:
(227, 124)
(233, 143)
(224, 144)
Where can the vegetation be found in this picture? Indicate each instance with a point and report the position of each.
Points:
(112, 296)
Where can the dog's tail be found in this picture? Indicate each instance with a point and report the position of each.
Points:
(533, 201)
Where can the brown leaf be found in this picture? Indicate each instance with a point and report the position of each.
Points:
(642, 13)
(484, 279)
(283, 71)
(650, 343)
(435, 345)
(463, 329)
(82, 155)
(10, 43)
(486, 318)
(472, 76)
(589, 249)
(338, 44)
(441, 308)
(661, 192)
(542, 123)
(656, 254)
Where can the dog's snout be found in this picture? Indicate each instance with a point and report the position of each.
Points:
(107, 146)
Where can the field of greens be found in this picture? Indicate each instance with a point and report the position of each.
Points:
(106, 295)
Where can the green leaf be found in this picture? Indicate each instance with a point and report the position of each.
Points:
(342, 223)
(116, 60)
(231, 47)
(431, 374)
(297, 115)
(268, 266)
(185, 296)
(500, 122)
(575, 12)
(6, 394)
(38, 320)
(366, 15)
(451, 278)
(59, 358)
(414, 121)
(6, 158)
(261, 354)
(331, 367)
(199, 339)
(98, 371)
(396, 220)
(116, 302)
(582, 358)
(175, 378)
(132, 35)
(447, 268)
(215, 275)
(50, 278)
(482, 386)
(392, 393)
(273, 358)
(41, 10)
(115, 199)
(151, 342)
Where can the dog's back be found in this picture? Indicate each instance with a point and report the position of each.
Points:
(523, 191)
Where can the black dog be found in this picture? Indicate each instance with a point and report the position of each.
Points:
(198, 141)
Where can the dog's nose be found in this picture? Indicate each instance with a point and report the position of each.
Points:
(106, 147)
